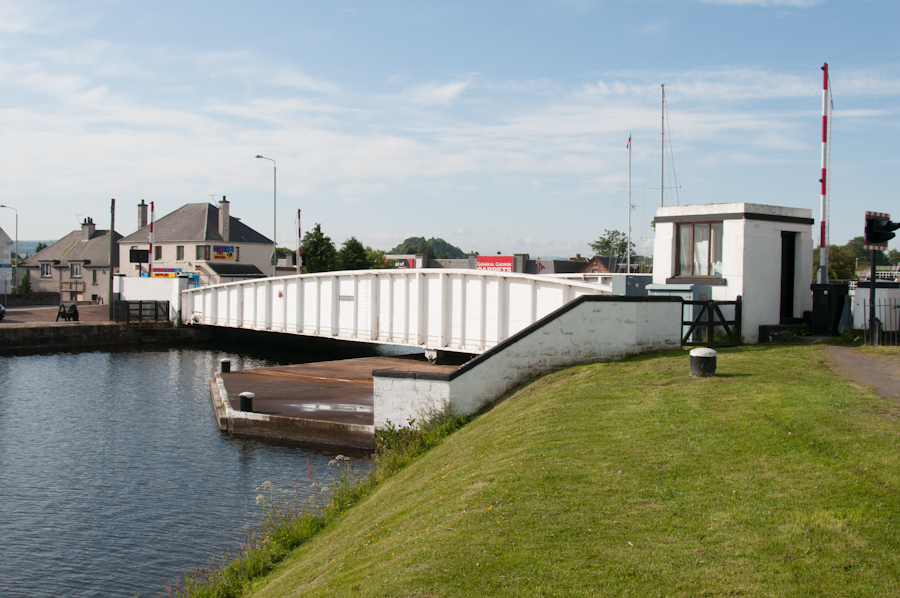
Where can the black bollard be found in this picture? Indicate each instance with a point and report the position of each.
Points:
(226, 366)
(247, 401)
(703, 362)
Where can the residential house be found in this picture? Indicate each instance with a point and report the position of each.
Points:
(77, 266)
(199, 240)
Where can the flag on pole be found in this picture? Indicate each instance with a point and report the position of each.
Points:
(628, 145)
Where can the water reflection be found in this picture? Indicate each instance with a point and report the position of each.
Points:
(113, 476)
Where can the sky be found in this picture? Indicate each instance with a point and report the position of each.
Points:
(497, 126)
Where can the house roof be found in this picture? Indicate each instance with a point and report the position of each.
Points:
(195, 222)
(242, 270)
(606, 264)
(72, 248)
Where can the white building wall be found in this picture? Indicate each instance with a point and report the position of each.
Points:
(253, 254)
(152, 289)
(751, 258)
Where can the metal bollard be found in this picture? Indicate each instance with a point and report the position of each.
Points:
(703, 362)
(226, 366)
(246, 403)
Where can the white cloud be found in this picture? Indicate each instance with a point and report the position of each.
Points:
(434, 93)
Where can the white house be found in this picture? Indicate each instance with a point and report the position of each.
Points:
(199, 240)
(762, 253)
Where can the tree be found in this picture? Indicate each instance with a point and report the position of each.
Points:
(24, 286)
(41, 245)
(352, 256)
(319, 254)
(376, 260)
(893, 257)
(612, 243)
(841, 263)
(436, 247)
(857, 250)
(282, 252)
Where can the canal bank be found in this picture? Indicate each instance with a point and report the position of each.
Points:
(328, 402)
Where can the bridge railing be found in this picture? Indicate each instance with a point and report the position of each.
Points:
(452, 310)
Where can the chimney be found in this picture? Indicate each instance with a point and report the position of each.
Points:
(87, 229)
(142, 215)
(224, 219)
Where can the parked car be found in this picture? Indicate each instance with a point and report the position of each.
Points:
(2, 312)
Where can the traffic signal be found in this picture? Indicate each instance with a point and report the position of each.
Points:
(878, 230)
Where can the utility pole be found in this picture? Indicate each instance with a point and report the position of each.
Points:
(112, 250)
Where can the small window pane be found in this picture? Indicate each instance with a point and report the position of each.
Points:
(179, 252)
(716, 257)
(701, 250)
(684, 250)
(157, 251)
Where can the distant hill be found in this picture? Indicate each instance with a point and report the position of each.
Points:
(436, 248)
(27, 247)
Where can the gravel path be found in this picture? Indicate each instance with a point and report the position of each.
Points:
(881, 372)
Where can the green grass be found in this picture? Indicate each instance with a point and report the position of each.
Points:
(774, 478)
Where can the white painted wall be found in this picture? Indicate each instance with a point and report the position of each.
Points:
(751, 260)
(593, 329)
(152, 289)
(250, 253)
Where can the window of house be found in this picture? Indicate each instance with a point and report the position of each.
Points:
(157, 253)
(237, 254)
(45, 271)
(75, 270)
(179, 253)
(202, 252)
(700, 249)
(93, 277)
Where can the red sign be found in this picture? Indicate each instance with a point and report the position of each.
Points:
(495, 263)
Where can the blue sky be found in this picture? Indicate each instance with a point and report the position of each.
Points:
(498, 126)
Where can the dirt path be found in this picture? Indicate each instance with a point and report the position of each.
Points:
(881, 372)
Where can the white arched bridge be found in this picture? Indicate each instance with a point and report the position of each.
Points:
(466, 311)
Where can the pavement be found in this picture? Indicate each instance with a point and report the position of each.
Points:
(87, 314)
(880, 372)
(336, 391)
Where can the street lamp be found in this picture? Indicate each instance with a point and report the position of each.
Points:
(274, 212)
(16, 277)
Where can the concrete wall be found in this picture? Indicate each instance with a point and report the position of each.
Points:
(590, 328)
(751, 257)
(151, 289)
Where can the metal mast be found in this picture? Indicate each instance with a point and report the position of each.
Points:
(824, 207)
(628, 242)
(662, 142)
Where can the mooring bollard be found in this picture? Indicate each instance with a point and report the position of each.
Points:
(247, 401)
(703, 362)
(226, 366)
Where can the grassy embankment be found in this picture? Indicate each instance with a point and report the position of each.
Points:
(775, 478)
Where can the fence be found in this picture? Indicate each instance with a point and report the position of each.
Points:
(887, 322)
(132, 312)
(701, 330)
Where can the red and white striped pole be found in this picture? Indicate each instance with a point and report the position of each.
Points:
(299, 245)
(150, 256)
(823, 208)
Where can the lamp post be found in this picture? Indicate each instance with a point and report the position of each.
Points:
(16, 277)
(274, 211)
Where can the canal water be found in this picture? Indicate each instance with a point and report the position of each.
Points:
(114, 479)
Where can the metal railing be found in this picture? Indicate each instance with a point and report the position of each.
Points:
(887, 322)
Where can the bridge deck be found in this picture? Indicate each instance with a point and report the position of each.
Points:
(336, 391)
